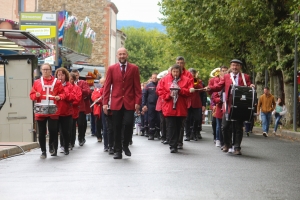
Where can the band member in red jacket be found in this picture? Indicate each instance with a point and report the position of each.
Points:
(97, 98)
(194, 108)
(78, 95)
(84, 107)
(174, 115)
(234, 77)
(181, 62)
(126, 93)
(38, 93)
(65, 109)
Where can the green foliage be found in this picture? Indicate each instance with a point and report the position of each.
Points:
(260, 33)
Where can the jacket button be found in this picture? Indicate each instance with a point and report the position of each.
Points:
(123, 96)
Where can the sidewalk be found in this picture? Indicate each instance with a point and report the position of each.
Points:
(8, 149)
(283, 133)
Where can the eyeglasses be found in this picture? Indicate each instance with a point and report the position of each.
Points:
(46, 69)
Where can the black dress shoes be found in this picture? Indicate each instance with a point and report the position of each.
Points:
(151, 137)
(166, 142)
(118, 155)
(126, 151)
(111, 151)
(173, 150)
(54, 153)
(66, 152)
(187, 139)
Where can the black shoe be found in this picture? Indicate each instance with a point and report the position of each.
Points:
(166, 142)
(195, 138)
(142, 134)
(118, 155)
(105, 149)
(54, 153)
(130, 143)
(51, 148)
(173, 150)
(81, 143)
(199, 136)
(151, 137)
(187, 139)
(44, 155)
(126, 151)
(66, 152)
(111, 151)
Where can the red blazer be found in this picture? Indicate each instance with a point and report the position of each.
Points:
(98, 92)
(195, 97)
(125, 91)
(65, 106)
(78, 96)
(84, 105)
(164, 92)
(218, 109)
(226, 82)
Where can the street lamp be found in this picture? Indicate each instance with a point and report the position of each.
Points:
(295, 77)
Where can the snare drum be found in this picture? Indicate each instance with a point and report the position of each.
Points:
(40, 108)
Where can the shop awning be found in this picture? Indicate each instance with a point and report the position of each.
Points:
(20, 40)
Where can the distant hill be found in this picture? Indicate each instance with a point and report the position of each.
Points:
(137, 24)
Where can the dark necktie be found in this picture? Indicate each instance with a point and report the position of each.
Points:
(123, 70)
(234, 76)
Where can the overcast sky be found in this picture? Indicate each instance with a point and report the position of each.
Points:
(139, 10)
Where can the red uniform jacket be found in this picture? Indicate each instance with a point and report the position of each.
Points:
(78, 96)
(216, 98)
(195, 97)
(65, 106)
(98, 92)
(164, 92)
(226, 82)
(85, 104)
(58, 90)
(125, 91)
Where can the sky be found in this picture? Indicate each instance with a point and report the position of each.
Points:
(139, 10)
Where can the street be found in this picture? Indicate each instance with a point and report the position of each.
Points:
(268, 169)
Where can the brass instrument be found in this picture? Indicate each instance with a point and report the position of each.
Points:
(215, 72)
(174, 88)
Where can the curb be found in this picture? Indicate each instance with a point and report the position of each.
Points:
(11, 148)
(283, 133)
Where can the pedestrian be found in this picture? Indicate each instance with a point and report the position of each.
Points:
(137, 123)
(97, 111)
(181, 62)
(75, 104)
(279, 112)
(175, 103)
(194, 109)
(124, 78)
(238, 78)
(149, 101)
(84, 107)
(47, 85)
(266, 105)
(65, 109)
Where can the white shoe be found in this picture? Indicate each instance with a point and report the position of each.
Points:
(62, 149)
(231, 150)
(265, 134)
(218, 143)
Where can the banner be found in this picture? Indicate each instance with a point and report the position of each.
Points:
(43, 26)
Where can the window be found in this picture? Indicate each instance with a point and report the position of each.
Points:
(21, 5)
(2, 86)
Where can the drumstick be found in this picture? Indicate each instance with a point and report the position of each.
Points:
(49, 95)
(200, 89)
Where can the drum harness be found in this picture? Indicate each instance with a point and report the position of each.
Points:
(47, 87)
(234, 83)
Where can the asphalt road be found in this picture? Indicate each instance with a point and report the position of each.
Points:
(268, 169)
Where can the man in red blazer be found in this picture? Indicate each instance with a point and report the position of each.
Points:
(124, 78)
(227, 81)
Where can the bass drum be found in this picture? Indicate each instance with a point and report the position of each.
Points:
(242, 100)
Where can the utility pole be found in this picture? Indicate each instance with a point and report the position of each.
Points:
(295, 77)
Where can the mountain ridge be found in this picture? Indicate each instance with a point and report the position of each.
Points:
(138, 24)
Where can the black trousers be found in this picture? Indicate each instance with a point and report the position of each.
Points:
(73, 132)
(53, 132)
(65, 124)
(181, 134)
(154, 119)
(174, 126)
(99, 127)
(192, 121)
(122, 121)
(110, 131)
(163, 127)
(214, 127)
(235, 128)
(82, 125)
